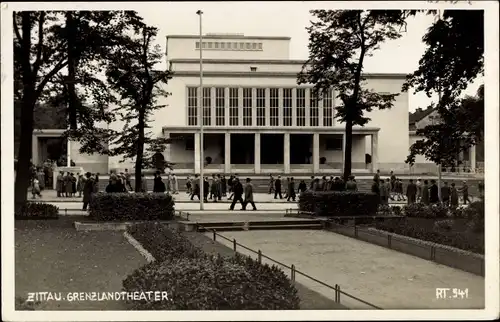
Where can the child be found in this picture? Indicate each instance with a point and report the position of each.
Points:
(35, 189)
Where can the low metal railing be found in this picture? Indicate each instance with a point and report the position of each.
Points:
(294, 271)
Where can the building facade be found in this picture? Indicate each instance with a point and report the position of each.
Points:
(256, 119)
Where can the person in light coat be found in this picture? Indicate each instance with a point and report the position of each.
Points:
(175, 184)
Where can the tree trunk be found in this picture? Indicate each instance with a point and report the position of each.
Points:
(71, 79)
(140, 153)
(23, 176)
(348, 150)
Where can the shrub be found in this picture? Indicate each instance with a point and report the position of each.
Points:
(384, 210)
(162, 242)
(396, 210)
(206, 284)
(439, 211)
(36, 211)
(196, 281)
(443, 225)
(418, 210)
(339, 203)
(131, 206)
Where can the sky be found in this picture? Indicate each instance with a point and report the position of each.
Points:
(289, 19)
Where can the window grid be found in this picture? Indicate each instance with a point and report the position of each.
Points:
(219, 106)
(313, 100)
(274, 116)
(287, 107)
(261, 97)
(274, 107)
(301, 97)
(261, 116)
(233, 106)
(314, 117)
(247, 107)
(192, 106)
(328, 109)
(207, 110)
(301, 116)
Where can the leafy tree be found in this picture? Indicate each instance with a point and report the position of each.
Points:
(47, 42)
(133, 77)
(339, 42)
(453, 59)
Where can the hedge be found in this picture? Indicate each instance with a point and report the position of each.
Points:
(420, 210)
(339, 203)
(37, 211)
(197, 281)
(131, 206)
(466, 241)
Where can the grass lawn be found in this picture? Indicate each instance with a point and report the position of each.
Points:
(460, 236)
(51, 256)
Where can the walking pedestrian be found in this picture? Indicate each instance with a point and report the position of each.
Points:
(419, 190)
(189, 185)
(35, 188)
(271, 184)
(60, 184)
(88, 190)
(158, 184)
(206, 189)
(175, 184)
(465, 192)
(80, 184)
(128, 184)
(249, 195)
(195, 188)
(411, 192)
(223, 185)
(277, 188)
(384, 192)
(445, 194)
(238, 193)
(424, 197)
(302, 186)
(291, 190)
(453, 197)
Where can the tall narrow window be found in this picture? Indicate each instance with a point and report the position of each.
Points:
(328, 109)
(192, 105)
(219, 106)
(247, 107)
(207, 102)
(233, 106)
(301, 106)
(314, 110)
(261, 107)
(287, 106)
(274, 108)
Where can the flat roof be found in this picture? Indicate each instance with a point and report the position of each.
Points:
(230, 36)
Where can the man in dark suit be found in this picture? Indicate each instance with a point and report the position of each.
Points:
(277, 188)
(411, 192)
(238, 194)
(88, 190)
(433, 192)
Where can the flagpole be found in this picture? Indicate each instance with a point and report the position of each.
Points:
(200, 116)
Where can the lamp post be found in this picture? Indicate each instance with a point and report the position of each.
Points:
(200, 114)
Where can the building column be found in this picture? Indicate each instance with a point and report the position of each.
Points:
(472, 158)
(257, 152)
(286, 152)
(34, 150)
(197, 163)
(227, 153)
(167, 153)
(374, 151)
(315, 153)
(343, 152)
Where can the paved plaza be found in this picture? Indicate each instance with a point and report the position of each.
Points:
(384, 277)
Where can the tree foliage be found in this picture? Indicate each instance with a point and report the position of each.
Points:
(41, 49)
(453, 59)
(132, 75)
(339, 42)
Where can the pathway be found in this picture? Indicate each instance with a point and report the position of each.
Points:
(386, 278)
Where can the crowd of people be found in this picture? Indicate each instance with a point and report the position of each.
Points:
(423, 191)
(217, 187)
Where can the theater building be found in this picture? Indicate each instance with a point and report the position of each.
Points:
(256, 119)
